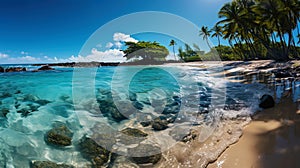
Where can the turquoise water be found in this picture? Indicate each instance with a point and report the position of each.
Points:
(31, 102)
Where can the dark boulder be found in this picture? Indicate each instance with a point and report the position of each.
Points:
(159, 124)
(60, 135)
(138, 105)
(145, 123)
(42, 102)
(132, 96)
(2, 70)
(93, 152)
(145, 154)
(24, 112)
(266, 101)
(48, 164)
(15, 69)
(45, 68)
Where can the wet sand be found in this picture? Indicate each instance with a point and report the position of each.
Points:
(272, 139)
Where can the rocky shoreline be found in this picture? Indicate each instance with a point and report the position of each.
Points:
(23, 69)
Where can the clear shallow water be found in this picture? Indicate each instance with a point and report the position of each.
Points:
(75, 97)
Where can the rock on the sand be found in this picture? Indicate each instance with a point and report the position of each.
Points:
(266, 101)
(145, 153)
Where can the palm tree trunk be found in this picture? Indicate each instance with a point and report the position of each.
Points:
(174, 53)
(208, 43)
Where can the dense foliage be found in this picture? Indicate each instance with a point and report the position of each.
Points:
(146, 51)
(261, 23)
(258, 29)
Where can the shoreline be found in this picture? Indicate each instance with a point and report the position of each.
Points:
(271, 139)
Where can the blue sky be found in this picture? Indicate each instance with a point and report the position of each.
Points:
(56, 30)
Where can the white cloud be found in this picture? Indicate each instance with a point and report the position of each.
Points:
(24, 59)
(2, 55)
(118, 44)
(99, 45)
(111, 55)
(24, 53)
(29, 58)
(123, 38)
(109, 45)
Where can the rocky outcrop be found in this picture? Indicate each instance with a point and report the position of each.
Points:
(93, 152)
(48, 164)
(60, 135)
(15, 69)
(2, 70)
(45, 68)
(266, 101)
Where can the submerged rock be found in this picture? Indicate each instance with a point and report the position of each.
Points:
(93, 152)
(48, 164)
(159, 124)
(30, 97)
(18, 92)
(138, 105)
(266, 101)
(145, 154)
(4, 112)
(131, 136)
(5, 95)
(24, 112)
(132, 96)
(45, 68)
(116, 114)
(60, 135)
(42, 102)
(134, 132)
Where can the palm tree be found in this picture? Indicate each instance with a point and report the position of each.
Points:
(217, 33)
(205, 33)
(233, 25)
(173, 43)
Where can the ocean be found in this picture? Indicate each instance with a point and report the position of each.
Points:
(92, 102)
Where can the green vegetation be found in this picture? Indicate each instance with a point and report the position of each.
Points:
(254, 29)
(146, 51)
(258, 29)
